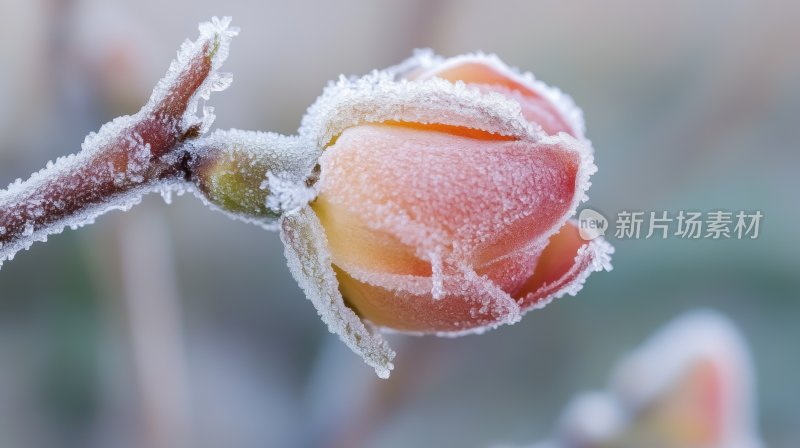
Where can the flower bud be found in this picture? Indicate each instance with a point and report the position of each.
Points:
(445, 194)
(442, 203)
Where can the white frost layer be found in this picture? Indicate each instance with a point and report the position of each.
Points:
(310, 263)
(290, 162)
(425, 60)
(378, 97)
(598, 253)
(218, 34)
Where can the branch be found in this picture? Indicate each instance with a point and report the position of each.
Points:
(128, 157)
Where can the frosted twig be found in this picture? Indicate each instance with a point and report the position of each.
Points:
(128, 157)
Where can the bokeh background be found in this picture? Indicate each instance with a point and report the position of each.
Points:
(173, 326)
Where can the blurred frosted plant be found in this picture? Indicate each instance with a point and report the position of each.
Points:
(431, 197)
(689, 386)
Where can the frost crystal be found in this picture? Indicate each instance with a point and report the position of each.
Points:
(310, 264)
(215, 39)
(425, 60)
(280, 166)
(378, 98)
(595, 256)
(115, 166)
(286, 195)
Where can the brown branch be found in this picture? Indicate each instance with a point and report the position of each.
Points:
(129, 156)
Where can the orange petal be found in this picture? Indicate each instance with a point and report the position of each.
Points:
(563, 266)
(409, 312)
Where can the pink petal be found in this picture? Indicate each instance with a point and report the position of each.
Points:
(399, 204)
(490, 76)
(563, 267)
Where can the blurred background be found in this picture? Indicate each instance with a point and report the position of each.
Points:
(174, 326)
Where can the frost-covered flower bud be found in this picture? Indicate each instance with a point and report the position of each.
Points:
(431, 197)
(445, 199)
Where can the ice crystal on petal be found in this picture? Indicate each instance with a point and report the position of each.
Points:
(493, 300)
(425, 60)
(594, 256)
(437, 275)
(378, 98)
(310, 263)
(417, 187)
